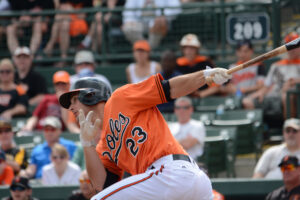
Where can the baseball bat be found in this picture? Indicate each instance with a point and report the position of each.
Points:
(279, 50)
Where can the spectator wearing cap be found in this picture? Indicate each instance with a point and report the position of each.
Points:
(247, 80)
(13, 100)
(61, 171)
(143, 67)
(267, 166)
(16, 157)
(86, 190)
(191, 61)
(6, 172)
(282, 76)
(40, 155)
(27, 77)
(49, 106)
(290, 169)
(138, 21)
(20, 190)
(85, 65)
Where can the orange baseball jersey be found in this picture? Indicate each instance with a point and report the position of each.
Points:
(134, 132)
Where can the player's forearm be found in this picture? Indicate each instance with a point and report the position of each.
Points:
(186, 84)
(94, 167)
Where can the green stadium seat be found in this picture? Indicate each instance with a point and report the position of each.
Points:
(230, 135)
(212, 103)
(246, 136)
(214, 155)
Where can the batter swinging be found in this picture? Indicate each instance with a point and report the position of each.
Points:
(135, 138)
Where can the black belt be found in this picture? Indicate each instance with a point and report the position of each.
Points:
(181, 157)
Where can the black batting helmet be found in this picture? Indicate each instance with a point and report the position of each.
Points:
(90, 92)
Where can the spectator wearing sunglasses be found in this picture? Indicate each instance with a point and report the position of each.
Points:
(40, 155)
(20, 189)
(16, 157)
(6, 172)
(267, 166)
(86, 190)
(13, 100)
(189, 132)
(60, 171)
(290, 169)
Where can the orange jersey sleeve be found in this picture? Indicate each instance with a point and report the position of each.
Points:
(135, 133)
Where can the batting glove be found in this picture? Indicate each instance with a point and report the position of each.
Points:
(88, 130)
(217, 75)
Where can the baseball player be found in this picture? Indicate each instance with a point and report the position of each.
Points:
(135, 138)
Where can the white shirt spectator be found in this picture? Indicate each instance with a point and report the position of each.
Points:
(269, 161)
(193, 128)
(136, 15)
(70, 177)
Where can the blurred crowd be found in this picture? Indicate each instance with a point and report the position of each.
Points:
(59, 161)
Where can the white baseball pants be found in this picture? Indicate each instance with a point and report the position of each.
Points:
(166, 179)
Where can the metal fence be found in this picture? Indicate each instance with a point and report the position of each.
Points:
(207, 20)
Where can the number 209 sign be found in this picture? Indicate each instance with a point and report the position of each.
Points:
(247, 26)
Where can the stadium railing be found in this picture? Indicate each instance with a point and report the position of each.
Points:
(206, 19)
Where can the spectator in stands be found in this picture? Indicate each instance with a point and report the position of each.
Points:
(282, 76)
(60, 171)
(15, 157)
(13, 100)
(40, 155)
(66, 26)
(290, 169)
(25, 21)
(168, 64)
(247, 80)
(143, 67)
(20, 190)
(50, 106)
(189, 132)
(6, 172)
(191, 61)
(85, 65)
(112, 18)
(138, 22)
(267, 166)
(27, 77)
(86, 190)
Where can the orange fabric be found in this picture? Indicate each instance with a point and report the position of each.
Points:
(288, 62)
(61, 76)
(217, 195)
(135, 133)
(71, 118)
(78, 26)
(290, 37)
(141, 44)
(183, 61)
(20, 90)
(7, 176)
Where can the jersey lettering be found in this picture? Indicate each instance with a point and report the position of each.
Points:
(131, 144)
(117, 129)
